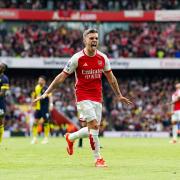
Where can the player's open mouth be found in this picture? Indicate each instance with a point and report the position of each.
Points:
(93, 45)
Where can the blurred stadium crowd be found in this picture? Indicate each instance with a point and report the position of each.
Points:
(150, 111)
(128, 41)
(120, 40)
(112, 5)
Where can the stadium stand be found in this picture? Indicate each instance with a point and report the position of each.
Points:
(112, 5)
(144, 40)
(130, 40)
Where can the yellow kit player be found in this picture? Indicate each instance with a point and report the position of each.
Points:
(42, 110)
(4, 86)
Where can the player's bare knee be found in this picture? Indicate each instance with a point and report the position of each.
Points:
(35, 121)
(93, 125)
(46, 121)
(83, 124)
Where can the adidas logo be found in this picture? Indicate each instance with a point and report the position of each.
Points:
(85, 64)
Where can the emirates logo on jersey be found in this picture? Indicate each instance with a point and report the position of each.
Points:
(99, 62)
(92, 73)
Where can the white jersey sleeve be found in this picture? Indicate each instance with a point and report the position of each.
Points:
(71, 65)
(107, 66)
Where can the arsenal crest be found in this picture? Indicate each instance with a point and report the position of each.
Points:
(99, 62)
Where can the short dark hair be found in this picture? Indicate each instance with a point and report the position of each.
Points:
(5, 66)
(88, 31)
(43, 77)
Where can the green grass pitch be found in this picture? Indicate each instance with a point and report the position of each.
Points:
(127, 158)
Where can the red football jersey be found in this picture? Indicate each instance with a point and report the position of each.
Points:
(177, 103)
(88, 72)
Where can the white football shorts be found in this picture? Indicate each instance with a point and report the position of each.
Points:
(90, 110)
(176, 116)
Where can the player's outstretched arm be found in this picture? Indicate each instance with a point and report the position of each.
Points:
(55, 83)
(115, 87)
